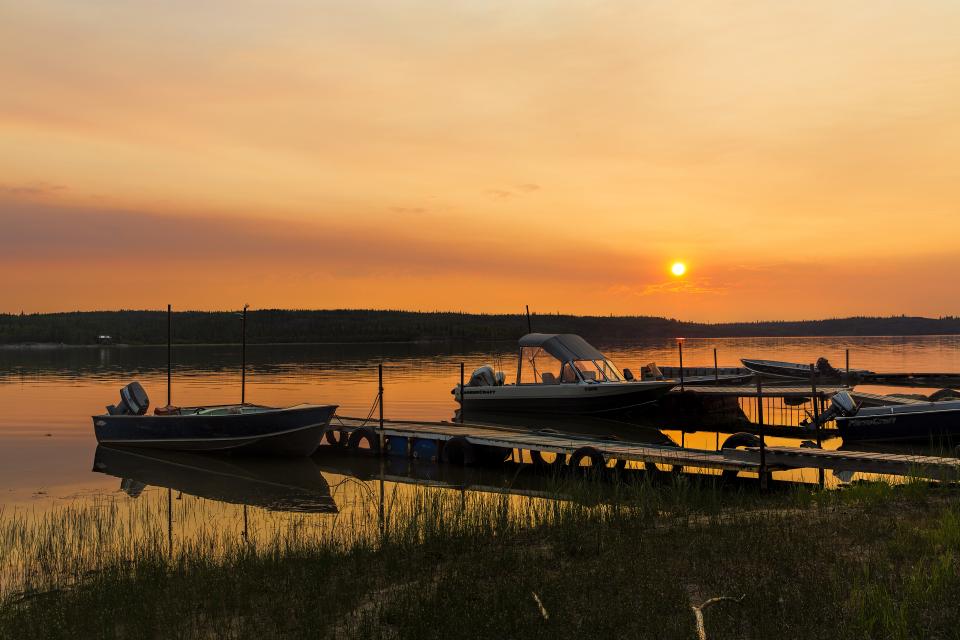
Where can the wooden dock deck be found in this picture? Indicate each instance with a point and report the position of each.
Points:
(431, 439)
(771, 391)
(551, 442)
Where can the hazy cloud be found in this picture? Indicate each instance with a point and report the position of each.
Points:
(30, 190)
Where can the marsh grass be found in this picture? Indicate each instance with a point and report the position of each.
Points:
(624, 560)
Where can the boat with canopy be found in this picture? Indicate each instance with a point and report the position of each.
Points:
(558, 373)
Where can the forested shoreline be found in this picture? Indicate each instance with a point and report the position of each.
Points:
(357, 325)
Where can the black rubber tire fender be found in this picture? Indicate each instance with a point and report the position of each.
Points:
(458, 450)
(597, 461)
(336, 438)
(368, 434)
(492, 456)
(740, 439)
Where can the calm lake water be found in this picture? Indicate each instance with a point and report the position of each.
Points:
(47, 447)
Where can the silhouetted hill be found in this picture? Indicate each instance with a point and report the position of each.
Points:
(355, 325)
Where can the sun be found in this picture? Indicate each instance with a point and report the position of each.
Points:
(678, 269)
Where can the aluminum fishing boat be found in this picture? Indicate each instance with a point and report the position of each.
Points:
(558, 373)
(823, 370)
(248, 428)
(936, 423)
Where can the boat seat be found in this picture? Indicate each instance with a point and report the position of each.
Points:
(166, 411)
(589, 375)
(568, 375)
(549, 378)
(651, 372)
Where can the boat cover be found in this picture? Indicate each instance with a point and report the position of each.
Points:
(562, 346)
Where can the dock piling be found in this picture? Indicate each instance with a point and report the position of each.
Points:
(169, 523)
(763, 444)
(817, 410)
(461, 392)
(680, 348)
(380, 403)
(243, 356)
(716, 369)
(169, 335)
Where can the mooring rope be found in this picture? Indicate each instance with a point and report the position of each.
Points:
(373, 408)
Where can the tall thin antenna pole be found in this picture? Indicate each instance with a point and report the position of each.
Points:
(529, 325)
(169, 321)
(243, 356)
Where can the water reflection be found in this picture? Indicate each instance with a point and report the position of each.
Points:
(47, 395)
(277, 485)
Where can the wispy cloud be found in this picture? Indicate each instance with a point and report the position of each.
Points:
(30, 189)
(699, 286)
(511, 192)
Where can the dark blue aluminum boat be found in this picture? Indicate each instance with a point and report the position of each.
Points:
(935, 423)
(247, 428)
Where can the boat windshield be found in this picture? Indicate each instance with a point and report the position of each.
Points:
(598, 370)
(610, 370)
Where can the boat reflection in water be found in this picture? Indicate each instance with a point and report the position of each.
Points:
(276, 484)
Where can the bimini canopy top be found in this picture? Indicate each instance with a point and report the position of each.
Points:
(565, 347)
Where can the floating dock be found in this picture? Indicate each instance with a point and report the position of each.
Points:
(469, 444)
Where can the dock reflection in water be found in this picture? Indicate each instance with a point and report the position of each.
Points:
(294, 485)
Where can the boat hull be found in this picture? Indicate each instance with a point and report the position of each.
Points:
(293, 431)
(564, 398)
(923, 424)
(795, 371)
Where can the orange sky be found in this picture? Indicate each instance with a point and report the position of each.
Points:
(802, 158)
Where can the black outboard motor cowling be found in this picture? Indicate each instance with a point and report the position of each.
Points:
(133, 401)
(841, 404)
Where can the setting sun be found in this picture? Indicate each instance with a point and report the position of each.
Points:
(678, 269)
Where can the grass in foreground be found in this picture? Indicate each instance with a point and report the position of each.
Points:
(867, 562)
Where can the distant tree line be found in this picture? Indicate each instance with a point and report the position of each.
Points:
(357, 325)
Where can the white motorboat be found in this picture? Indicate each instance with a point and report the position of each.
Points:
(558, 373)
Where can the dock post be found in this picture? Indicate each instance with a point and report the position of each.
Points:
(169, 334)
(716, 369)
(763, 444)
(848, 367)
(461, 393)
(680, 347)
(243, 356)
(169, 523)
(380, 404)
(815, 398)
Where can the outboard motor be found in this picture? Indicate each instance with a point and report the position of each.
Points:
(485, 377)
(824, 368)
(841, 404)
(133, 401)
